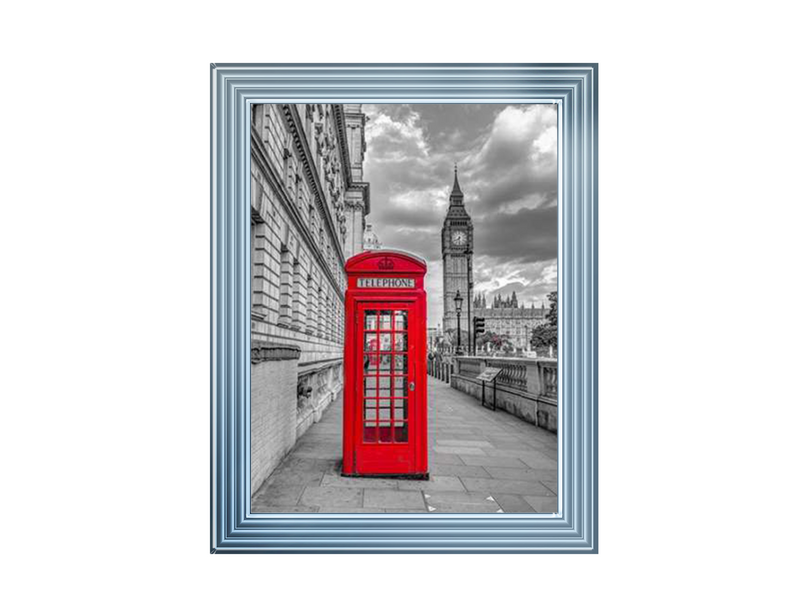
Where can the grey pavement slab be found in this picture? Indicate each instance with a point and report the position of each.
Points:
(445, 459)
(504, 486)
(513, 503)
(349, 510)
(332, 496)
(458, 471)
(521, 474)
(480, 462)
(552, 485)
(389, 499)
(279, 496)
(458, 507)
(291, 477)
(539, 461)
(492, 461)
(543, 504)
(265, 509)
(434, 484)
(459, 450)
(369, 483)
(457, 497)
(466, 443)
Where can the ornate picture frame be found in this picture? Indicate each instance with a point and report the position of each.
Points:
(574, 89)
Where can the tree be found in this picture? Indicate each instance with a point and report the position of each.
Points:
(545, 335)
(552, 313)
(497, 343)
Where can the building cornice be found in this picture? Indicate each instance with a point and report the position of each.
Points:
(363, 187)
(262, 351)
(295, 123)
(365, 190)
(340, 123)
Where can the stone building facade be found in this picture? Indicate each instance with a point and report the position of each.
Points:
(517, 323)
(308, 213)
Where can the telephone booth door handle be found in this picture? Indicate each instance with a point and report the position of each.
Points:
(412, 386)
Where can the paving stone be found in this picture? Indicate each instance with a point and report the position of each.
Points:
(469, 448)
(316, 454)
(543, 504)
(512, 443)
(512, 503)
(441, 498)
(504, 486)
(465, 443)
(445, 459)
(279, 496)
(522, 474)
(333, 496)
(404, 511)
(295, 478)
(394, 499)
(552, 485)
(492, 461)
(360, 482)
(505, 452)
(458, 470)
(458, 450)
(459, 507)
(299, 464)
(349, 510)
(264, 509)
(553, 454)
(434, 484)
(539, 461)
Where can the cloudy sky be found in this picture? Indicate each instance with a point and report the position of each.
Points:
(506, 156)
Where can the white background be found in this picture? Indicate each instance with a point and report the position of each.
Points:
(104, 234)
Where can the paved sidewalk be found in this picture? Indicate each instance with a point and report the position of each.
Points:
(480, 462)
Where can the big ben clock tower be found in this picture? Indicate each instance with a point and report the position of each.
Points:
(457, 245)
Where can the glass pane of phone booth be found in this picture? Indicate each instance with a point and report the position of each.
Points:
(385, 376)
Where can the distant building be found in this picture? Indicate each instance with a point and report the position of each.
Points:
(516, 323)
(370, 239)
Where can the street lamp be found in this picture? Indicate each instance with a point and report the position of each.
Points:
(458, 304)
(470, 348)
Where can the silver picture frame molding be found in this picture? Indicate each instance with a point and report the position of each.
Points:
(234, 88)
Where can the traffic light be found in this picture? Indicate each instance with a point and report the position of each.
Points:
(480, 325)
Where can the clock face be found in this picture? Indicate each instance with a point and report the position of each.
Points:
(459, 238)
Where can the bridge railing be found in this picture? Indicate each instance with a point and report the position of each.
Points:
(526, 387)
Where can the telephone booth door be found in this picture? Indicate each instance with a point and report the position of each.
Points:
(388, 391)
(385, 387)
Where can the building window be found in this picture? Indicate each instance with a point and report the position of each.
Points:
(310, 304)
(285, 288)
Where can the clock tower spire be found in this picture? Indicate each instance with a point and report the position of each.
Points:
(457, 247)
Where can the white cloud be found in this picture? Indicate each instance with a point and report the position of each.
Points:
(507, 170)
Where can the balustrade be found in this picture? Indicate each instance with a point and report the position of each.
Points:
(548, 376)
(538, 376)
(513, 374)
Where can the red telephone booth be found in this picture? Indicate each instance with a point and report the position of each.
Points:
(385, 366)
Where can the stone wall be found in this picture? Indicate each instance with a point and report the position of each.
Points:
(273, 407)
(527, 388)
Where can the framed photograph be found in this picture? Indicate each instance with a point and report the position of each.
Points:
(404, 308)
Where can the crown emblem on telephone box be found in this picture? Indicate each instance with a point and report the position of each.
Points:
(386, 264)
